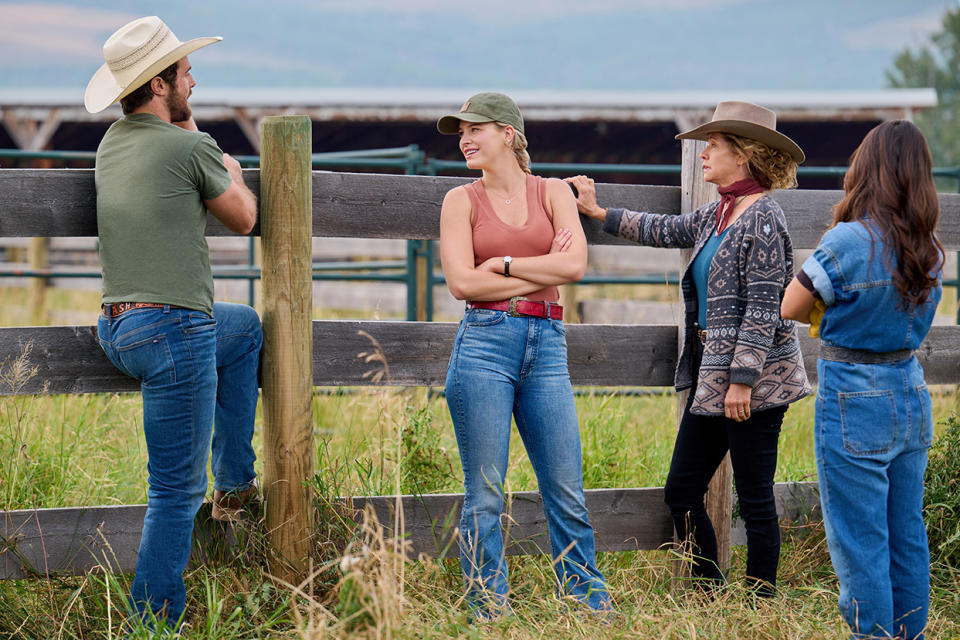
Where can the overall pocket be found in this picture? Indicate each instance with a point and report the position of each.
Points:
(869, 421)
(926, 416)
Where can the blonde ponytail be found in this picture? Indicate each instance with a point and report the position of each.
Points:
(519, 147)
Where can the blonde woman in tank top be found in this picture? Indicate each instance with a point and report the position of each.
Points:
(506, 242)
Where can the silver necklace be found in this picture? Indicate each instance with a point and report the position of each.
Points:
(508, 199)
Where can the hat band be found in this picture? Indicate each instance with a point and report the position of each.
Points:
(125, 62)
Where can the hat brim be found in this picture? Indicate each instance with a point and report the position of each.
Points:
(450, 123)
(103, 89)
(770, 137)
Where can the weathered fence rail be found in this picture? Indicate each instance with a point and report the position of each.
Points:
(68, 360)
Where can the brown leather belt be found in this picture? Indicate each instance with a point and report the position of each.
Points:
(519, 307)
(116, 308)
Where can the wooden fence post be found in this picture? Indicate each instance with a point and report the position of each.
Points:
(39, 314)
(694, 192)
(287, 360)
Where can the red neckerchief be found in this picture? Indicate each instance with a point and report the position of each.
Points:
(728, 200)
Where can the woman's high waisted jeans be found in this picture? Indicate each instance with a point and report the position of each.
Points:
(873, 428)
(504, 365)
(194, 371)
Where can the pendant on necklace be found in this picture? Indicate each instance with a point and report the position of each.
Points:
(506, 202)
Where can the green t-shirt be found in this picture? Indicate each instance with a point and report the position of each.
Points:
(152, 178)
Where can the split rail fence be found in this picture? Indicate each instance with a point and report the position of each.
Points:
(299, 354)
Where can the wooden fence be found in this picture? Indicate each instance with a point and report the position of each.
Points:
(38, 203)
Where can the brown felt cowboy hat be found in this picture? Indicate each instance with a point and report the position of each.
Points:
(135, 53)
(749, 121)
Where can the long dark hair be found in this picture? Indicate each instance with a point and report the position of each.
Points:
(890, 181)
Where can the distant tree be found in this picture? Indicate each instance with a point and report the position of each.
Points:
(936, 64)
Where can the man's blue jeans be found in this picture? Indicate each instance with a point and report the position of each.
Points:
(195, 370)
(873, 428)
(503, 365)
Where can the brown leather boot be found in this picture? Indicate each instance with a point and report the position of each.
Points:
(234, 506)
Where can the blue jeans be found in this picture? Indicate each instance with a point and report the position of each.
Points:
(503, 365)
(194, 371)
(873, 428)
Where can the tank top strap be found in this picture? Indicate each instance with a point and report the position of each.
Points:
(537, 197)
(478, 203)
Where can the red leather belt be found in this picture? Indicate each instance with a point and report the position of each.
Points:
(523, 307)
(116, 308)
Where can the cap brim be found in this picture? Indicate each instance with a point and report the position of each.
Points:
(771, 138)
(103, 89)
(450, 123)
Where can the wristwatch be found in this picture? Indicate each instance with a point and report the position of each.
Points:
(506, 265)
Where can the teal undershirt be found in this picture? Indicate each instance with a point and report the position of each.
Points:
(701, 269)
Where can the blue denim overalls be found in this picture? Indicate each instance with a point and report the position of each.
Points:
(873, 428)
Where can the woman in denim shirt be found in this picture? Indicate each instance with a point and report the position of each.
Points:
(875, 278)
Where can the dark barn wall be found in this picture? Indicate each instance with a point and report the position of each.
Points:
(825, 143)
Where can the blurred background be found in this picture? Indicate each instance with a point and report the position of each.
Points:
(605, 82)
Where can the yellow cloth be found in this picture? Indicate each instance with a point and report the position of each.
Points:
(816, 315)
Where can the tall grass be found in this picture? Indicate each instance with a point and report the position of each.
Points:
(58, 451)
(76, 450)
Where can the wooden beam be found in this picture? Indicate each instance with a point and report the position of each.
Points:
(62, 202)
(287, 343)
(249, 125)
(69, 360)
(695, 193)
(417, 353)
(38, 251)
(75, 540)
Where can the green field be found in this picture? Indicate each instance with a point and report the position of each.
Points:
(58, 451)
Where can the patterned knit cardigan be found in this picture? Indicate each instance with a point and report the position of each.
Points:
(747, 340)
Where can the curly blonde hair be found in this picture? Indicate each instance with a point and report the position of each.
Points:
(772, 168)
(519, 147)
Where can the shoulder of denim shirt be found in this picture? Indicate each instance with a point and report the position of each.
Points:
(847, 235)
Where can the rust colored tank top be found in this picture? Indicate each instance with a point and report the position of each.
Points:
(494, 237)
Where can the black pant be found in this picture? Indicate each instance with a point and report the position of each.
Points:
(702, 442)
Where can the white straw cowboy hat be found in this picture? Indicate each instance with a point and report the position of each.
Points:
(135, 53)
(749, 121)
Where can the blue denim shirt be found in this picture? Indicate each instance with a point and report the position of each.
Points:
(849, 269)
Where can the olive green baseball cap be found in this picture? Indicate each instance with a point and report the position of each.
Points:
(483, 107)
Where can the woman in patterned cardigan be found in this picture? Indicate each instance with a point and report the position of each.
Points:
(741, 360)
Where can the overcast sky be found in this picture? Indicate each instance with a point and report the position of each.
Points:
(546, 44)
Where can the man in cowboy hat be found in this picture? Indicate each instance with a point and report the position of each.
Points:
(156, 176)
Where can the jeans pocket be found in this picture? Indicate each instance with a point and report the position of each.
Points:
(484, 317)
(148, 359)
(197, 322)
(926, 415)
(869, 421)
(559, 327)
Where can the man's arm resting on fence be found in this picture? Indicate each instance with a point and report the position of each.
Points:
(236, 207)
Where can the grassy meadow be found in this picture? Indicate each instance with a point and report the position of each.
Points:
(58, 451)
